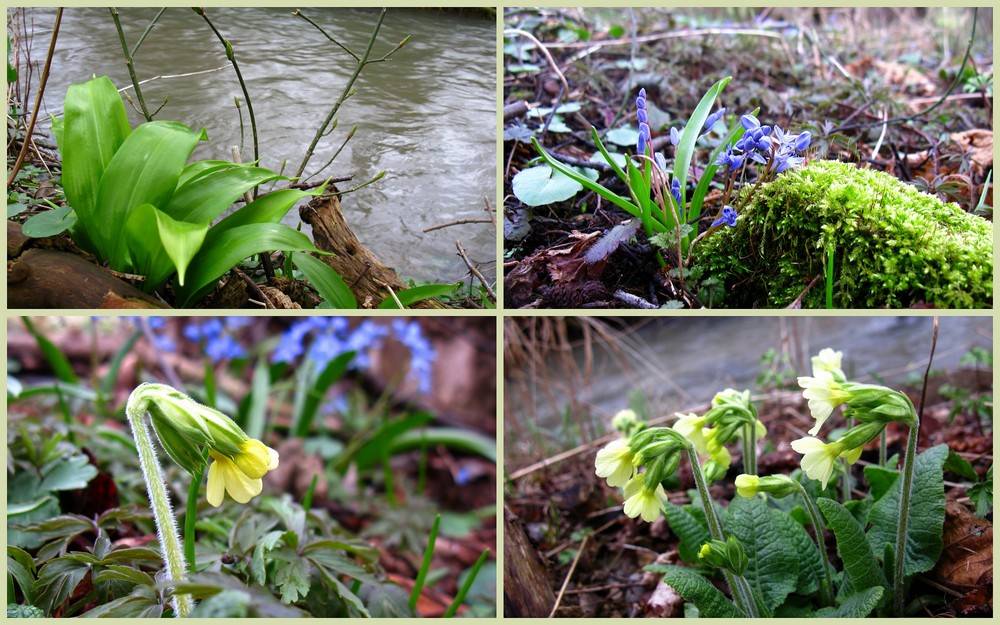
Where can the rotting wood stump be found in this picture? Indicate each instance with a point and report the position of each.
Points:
(368, 278)
(50, 278)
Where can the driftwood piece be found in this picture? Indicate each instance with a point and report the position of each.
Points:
(41, 278)
(527, 591)
(368, 278)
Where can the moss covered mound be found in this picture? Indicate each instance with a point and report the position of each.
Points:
(893, 245)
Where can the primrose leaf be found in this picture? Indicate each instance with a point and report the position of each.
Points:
(626, 135)
(880, 479)
(926, 520)
(691, 532)
(541, 185)
(810, 560)
(774, 564)
(49, 223)
(858, 605)
(693, 587)
(856, 553)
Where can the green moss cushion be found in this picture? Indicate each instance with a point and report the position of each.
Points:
(893, 246)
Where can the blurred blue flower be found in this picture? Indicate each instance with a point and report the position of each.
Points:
(675, 190)
(216, 338)
(422, 354)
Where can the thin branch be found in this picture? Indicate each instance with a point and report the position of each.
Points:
(38, 101)
(475, 272)
(569, 574)
(459, 222)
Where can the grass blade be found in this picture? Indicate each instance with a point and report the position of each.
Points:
(464, 590)
(425, 565)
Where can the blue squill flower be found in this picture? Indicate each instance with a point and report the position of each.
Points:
(713, 118)
(644, 134)
(728, 217)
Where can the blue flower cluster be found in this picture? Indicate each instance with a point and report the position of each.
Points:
(728, 217)
(765, 144)
(216, 336)
(644, 135)
(329, 337)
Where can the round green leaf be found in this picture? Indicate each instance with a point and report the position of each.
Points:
(49, 223)
(540, 185)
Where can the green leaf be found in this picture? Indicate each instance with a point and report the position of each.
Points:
(117, 572)
(57, 580)
(93, 127)
(608, 195)
(810, 559)
(541, 185)
(21, 567)
(926, 520)
(773, 572)
(856, 553)
(690, 531)
(625, 135)
(293, 580)
(270, 208)
(69, 473)
(176, 243)
(207, 196)
(693, 587)
(143, 171)
(880, 480)
(960, 466)
(317, 391)
(327, 282)
(143, 602)
(49, 223)
(377, 446)
(685, 147)
(220, 254)
(53, 355)
(453, 438)
(266, 543)
(858, 605)
(982, 494)
(418, 293)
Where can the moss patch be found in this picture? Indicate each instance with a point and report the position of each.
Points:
(893, 246)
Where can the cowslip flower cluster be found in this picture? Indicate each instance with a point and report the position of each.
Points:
(872, 405)
(657, 451)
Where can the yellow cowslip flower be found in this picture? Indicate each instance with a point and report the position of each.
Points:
(240, 476)
(818, 457)
(828, 361)
(824, 394)
(691, 426)
(643, 501)
(614, 462)
(747, 485)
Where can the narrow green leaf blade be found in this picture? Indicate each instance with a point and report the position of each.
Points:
(234, 245)
(53, 355)
(207, 196)
(418, 293)
(325, 279)
(685, 147)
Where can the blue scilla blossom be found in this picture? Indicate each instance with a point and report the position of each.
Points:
(661, 162)
(802, 141)
(713, 118)
(644, 133)
(216, 337)
(161, 342)
(728, 217)
(328, 338)
(422, 353)
(675, 135)
(675, 190)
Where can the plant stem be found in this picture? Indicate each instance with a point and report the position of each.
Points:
(741, 590)
(904, 514)
(130, 65)
(166, 524)
(348, 88)
(817, 523)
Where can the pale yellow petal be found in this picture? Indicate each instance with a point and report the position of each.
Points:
(216, 485)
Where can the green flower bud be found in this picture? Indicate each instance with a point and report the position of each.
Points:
(879, 403)
(626, 422)
(727, 555)
(779, 485)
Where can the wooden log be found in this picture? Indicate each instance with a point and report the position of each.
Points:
(41, 278)
(527, 591)
(368, 278)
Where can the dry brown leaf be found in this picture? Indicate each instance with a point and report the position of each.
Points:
(967, 558)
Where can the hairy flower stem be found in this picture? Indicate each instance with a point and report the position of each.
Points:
(166, 525)
(826, 587)
(904, 514)
(740, 588)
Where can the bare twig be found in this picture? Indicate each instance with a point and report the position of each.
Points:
(475, 272)
(489, 210)
(459, 222)
(38, 101)
(265, 300)
(569, 574)
(544, 50)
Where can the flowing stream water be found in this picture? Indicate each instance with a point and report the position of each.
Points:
(427, 115)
